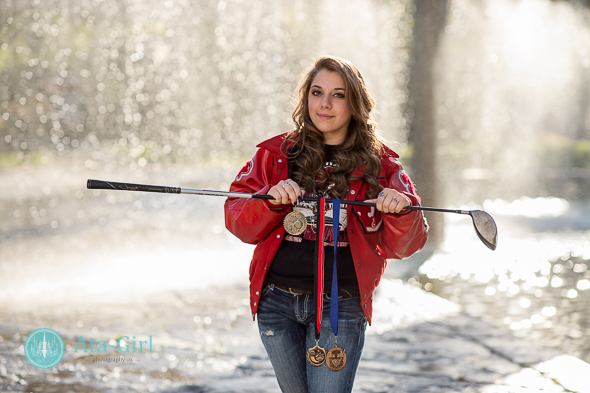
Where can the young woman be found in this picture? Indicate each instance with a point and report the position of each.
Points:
(333, 152)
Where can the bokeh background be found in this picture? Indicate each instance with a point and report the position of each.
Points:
(487, 102)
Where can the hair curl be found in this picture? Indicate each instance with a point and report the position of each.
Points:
(362, 145)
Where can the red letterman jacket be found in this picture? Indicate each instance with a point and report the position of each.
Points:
(373, 236)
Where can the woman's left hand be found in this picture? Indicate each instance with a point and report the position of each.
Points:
(390, 201)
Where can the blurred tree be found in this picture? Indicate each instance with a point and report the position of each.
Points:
(429, 23)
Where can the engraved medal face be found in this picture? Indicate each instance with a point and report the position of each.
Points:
(295, 223)
(336, 358)
(316, 355)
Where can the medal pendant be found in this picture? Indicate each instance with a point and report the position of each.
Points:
(295, 223)
(316, 355)
(336, 358)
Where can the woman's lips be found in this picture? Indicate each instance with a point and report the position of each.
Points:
(324, 117)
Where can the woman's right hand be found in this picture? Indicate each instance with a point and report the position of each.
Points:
(285, 192)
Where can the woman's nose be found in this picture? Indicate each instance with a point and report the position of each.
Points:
(326, 103)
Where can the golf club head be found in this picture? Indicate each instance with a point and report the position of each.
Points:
(485, 227)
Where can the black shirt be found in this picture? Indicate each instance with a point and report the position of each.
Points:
(293, 266)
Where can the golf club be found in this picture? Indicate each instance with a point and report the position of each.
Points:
(484, 224)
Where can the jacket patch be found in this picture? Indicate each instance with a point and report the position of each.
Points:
(369, 217)
(408, 184)
(246, 170)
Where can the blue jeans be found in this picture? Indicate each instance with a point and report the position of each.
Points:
(286, 324)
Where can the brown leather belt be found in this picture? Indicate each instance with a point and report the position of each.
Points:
(341, 292)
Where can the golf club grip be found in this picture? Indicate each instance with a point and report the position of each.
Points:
(111, 185)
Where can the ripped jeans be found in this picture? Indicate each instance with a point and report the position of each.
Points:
(286, 324)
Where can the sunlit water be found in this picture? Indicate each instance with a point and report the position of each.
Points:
(537, 282)
(141, 83)
(61, 241)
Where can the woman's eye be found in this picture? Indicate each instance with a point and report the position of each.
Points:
(316, 93)
(339, 95)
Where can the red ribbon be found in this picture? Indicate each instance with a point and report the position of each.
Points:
(319, 276)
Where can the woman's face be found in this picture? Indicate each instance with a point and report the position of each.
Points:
(328, 108)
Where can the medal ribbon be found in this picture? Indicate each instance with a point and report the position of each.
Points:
(319, 270)
(334, 294)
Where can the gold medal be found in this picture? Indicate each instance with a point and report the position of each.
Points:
(316, 355)
(336, 358)
(295, 223)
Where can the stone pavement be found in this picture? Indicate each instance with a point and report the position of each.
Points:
(205, 341)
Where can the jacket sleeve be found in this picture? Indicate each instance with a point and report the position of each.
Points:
(402, 234)
(251, 220)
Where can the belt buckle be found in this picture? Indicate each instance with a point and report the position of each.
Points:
(290, 291)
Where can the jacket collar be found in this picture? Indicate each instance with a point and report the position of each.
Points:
(273, 144)
(387, 152)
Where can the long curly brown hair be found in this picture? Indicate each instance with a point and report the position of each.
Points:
(362, 145)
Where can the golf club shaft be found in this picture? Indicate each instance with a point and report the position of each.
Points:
(109, 185)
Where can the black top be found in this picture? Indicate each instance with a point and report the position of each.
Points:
(293, 266)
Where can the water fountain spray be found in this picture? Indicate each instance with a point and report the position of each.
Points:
(484, 224)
